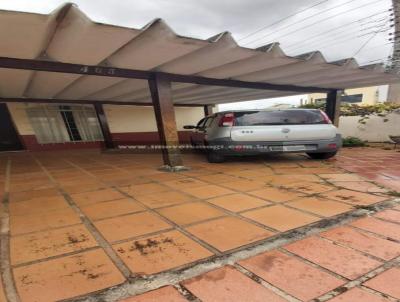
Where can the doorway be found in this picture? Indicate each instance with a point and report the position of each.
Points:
(9, 139)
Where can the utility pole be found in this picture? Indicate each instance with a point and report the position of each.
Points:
(394, 89)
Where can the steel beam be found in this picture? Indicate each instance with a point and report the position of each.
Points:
(208, 110)
(105, 129)
(161, 94)
(51, 66)
(85, 102)
(332, 108)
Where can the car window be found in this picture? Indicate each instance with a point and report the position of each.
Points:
(279, 117)
(209, 122)
(200, 124)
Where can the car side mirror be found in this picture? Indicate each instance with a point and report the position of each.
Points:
(189, 127)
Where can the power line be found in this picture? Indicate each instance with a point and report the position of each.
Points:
(302, 20)
(328, 18)
(336, 28)
(366, 42)
(322, 41)
(281, 20)
(306, 43)
(336, 42)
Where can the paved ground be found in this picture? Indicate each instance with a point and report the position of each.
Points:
(91, 226)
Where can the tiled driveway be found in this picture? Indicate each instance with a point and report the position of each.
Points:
(75, 223)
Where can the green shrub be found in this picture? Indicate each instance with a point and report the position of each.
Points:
(352, 141)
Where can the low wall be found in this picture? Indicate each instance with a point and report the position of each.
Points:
(375, 129)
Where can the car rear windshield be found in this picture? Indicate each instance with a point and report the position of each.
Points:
(279, 117)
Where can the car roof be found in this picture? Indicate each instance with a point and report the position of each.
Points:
(266, 110)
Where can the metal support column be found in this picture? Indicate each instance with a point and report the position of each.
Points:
(332, 108)
(161, 94)
(208, 110)
(105, 129)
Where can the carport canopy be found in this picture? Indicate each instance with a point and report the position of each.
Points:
(64, 57)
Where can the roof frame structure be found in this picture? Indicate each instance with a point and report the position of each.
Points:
(95, 70)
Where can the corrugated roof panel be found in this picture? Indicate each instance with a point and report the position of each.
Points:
(220, 51)
(68, 35)
(79, 40)
(23, 35)
(156, 45)
(13, 82)
(120, 88)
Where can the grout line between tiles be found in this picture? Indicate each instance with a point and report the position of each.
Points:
(5, 263)
(91, 228)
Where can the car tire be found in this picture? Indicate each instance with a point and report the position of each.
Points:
(215, 158)
(324, 155)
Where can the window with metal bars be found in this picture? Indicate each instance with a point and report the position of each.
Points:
(64, 123)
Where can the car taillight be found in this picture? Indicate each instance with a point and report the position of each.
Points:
(227, 120)
(327, 120)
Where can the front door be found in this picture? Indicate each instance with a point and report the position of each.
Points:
(9, 140)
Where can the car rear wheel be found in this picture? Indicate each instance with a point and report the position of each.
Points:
(215, 158)
(324, 155)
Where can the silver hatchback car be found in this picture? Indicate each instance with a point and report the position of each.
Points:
(252, 132)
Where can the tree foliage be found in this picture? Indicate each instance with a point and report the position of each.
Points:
(364, 111)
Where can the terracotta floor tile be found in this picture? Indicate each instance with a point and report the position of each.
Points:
(361, 186)
(217, 178)
(358, 295)
(20, 196)
(228, 233)
(253, 174)
(393, 185)
(166, 176)
(159, 253)
(128, 181)
(298, 170)
(86, 198)
(80, 188)
(348, 263)
(40, 222)
(389, 215)
(66, 277)
(37, 205)
(383, 228)
(2, 293)
(280, 218)
(163, 199)
(320, 206)
(226, 285)
(244, 185)
(309, 187)
(129, 226)
(111, 208)
(341, 177)
(276, 195)
(208, 191)
(298, 177)
(280, 180)
(185, 183)
(143, 189)
(352, 197)
(46, 244)
(164, 294)
(284, 165)
(386, 282)
(238, 202)
(190, 213)
(30, 186)
(291, 275)
(364, 242)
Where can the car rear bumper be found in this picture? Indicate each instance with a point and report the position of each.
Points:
(229, 147)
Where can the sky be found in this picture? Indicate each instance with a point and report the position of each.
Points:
(339, 28)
